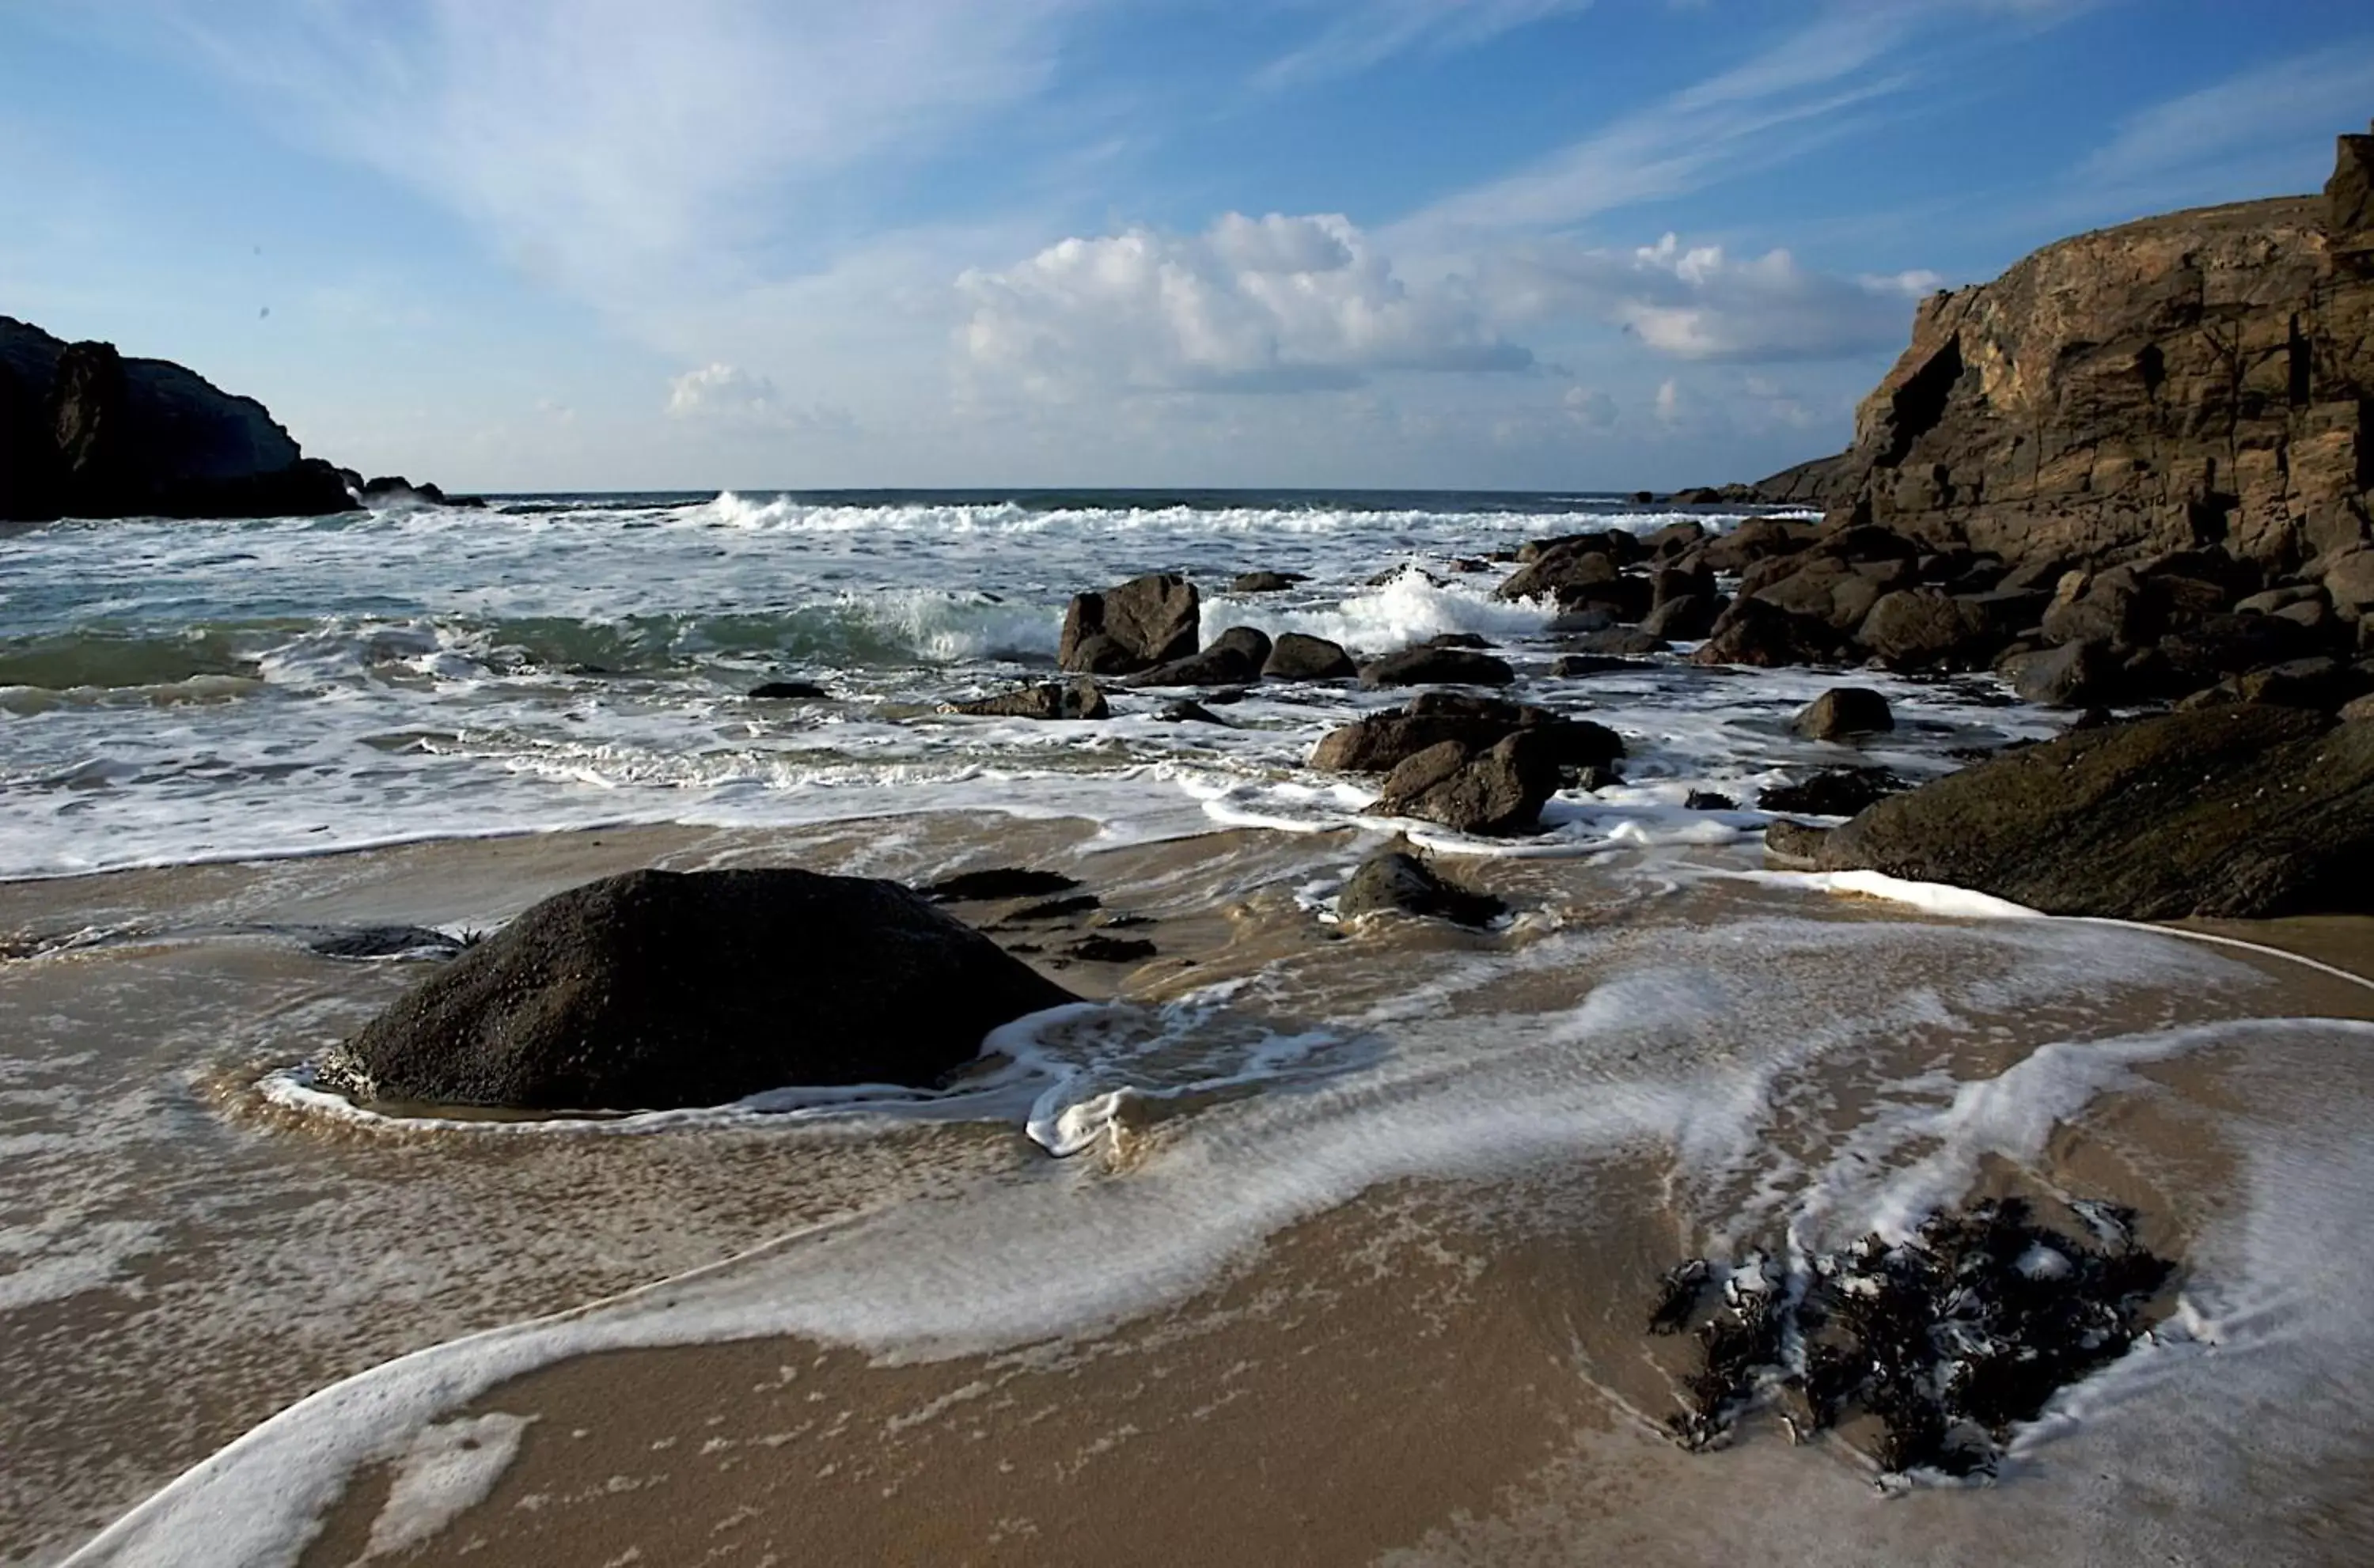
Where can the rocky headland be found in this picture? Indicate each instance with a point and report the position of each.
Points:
(86, 431)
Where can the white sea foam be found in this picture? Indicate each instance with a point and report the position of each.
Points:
(449, 1467)
(1669, 1049)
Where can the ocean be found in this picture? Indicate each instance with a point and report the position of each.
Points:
(1303, 1238)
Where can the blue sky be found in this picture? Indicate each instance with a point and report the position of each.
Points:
(1486, 243)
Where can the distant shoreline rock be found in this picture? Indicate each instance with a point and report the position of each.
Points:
(86, 432)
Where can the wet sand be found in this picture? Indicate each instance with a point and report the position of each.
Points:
(1450, 1369)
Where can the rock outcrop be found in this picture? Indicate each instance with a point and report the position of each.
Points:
(1395, 880)
(665, 989)
(2234, 811)
(2198, 377)
(1495, 791)
(86, 432)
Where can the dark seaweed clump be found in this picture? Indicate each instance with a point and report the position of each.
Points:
(1949, 1340)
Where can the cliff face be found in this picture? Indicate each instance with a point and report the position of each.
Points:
(85, 432)
(2200, 378)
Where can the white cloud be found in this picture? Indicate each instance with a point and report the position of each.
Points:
(1589, 408)
(2271, 108)
(728, 398)
(1699, 302)
(1770, 110)
(621, 148)
(1269, 304)
(1369, 32)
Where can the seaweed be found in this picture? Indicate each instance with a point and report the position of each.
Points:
(1951, 1338)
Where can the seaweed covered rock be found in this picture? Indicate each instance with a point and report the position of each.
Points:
(2233, 811)
(665, 989)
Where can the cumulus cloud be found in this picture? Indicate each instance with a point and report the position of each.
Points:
(729, 398)
(1269, 304)
(1700, 302)
(1589, 407)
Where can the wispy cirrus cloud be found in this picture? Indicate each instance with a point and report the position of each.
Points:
(2271, 110)
(616, 147)
(1367, 33)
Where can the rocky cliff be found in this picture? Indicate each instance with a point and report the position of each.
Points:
(2201, 378)
(86, 432)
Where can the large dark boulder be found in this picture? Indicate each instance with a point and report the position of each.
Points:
(1145, 622)
(1234, 659)
(1842, 711)
(1764, 635)
(1495, 791)
(86, 432)
(1921, 629)
(2231, 812)
(1296, 656)
(2075, 674)
(1382, 742)
(664, 989)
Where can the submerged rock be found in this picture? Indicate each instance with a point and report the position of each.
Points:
(998, 882)
(788, 691)
(2234, 811)
(667, 989)
(1834, 791)
(1396, 880)
(1842, 711)
(1051, 700)
(1264, 583)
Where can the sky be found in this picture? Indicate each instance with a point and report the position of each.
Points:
(1489, 244)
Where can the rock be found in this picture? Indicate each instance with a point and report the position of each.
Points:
(1145, 622)
(1626, 642)
(1834, 791)
(1051, 700)
(1708, 801)
(1265, 582)
(1494, 793)
(1920, 628)
(385, 942)
(998, 882)
(1842, 711)
(2357, 710)
(2075, 674)
(1766, 636)
(1436, 665)
(1189, 713)
(2229, 813)
(665, 989)
(788, 691)
(1571, 665)
(1235, 656)
(1686, 619)
(1297, 657)
(2348, 578)
(1383, 740)
(1394, 879)
(1054, 909)
(1756, 539)
(1112, 950)
(85, 432)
